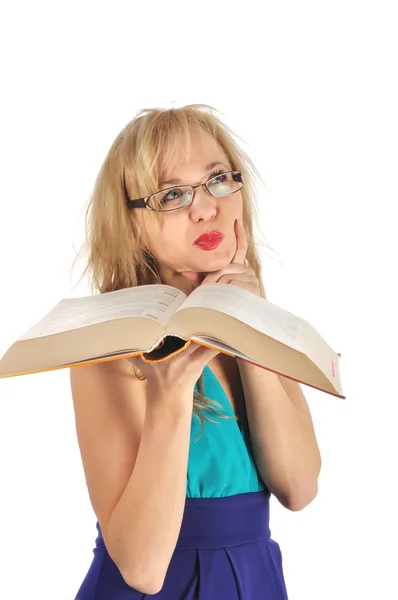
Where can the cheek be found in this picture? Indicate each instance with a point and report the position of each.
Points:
(239, 203)
(171, 237)
(235, 205)
(165, 238)
(151, 232)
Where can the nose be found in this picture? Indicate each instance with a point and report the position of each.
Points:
(203, 206)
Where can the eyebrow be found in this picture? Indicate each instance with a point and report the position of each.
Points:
(207, 168)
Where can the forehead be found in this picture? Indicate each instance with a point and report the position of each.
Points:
(190, 153)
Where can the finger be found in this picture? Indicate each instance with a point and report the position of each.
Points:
(244, 278)
(204, 354)
(234, 268)
(241, 244)
(189, 349)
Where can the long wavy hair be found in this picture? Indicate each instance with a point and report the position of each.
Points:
(114, 246)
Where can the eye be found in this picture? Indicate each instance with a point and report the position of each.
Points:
(218, 177)
(174, 194)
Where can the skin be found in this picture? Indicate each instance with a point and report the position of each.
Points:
(280, 424)
(180, 263)
(281, 427)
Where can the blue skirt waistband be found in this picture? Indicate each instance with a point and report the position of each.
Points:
(222, 522)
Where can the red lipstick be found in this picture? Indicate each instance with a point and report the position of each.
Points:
(209, 241)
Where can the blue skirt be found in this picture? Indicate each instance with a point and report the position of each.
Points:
(224, 552)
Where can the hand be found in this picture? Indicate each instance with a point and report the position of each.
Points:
(181, 371)
(236, 273)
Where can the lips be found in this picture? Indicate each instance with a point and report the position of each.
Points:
(208, 239)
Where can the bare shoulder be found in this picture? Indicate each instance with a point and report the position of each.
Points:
(115, 372)
(109, 405)
(108, 384)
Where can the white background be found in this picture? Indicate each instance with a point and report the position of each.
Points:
(312, 88)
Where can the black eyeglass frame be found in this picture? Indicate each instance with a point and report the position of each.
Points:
(143, 202)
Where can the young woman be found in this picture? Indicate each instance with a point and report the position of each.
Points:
(181, 457)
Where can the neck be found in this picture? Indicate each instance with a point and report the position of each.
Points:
(186, 281)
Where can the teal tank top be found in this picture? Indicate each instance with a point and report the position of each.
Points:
(221, 461)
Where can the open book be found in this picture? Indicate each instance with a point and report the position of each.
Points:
(157, 321)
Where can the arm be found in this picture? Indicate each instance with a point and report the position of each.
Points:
(146, 521)
(134, 443)
(280, 423)
(282, 434)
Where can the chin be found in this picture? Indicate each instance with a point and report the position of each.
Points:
(215, 263)
(223, 256)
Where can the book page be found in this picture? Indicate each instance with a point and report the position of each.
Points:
(214, 343)
(155, 302)
(250, 309)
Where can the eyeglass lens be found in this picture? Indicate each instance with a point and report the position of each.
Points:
(220, 185)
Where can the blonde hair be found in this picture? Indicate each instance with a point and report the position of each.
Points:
(117, 256)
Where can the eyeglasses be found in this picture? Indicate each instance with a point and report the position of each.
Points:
(179, 196)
